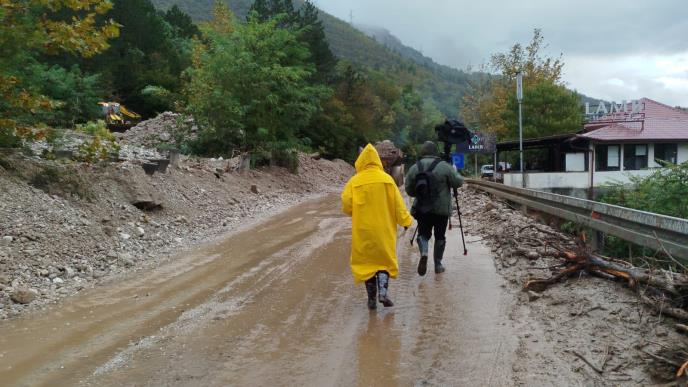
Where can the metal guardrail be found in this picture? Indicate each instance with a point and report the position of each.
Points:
(658, 232)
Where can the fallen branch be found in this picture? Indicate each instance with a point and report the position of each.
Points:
(540, 285)
(682, 370)
(674, 260)
(667, 285)
(605, 357)
(594, 367)
(676, 313)
(682, 328)
(661, 358)
(636, 275)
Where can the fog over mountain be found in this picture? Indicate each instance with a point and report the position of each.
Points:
(613, 49)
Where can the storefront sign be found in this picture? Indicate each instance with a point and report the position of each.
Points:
(478, 143)
(625, 107)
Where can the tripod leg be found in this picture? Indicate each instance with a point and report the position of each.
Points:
(414, 235)
(458, 210)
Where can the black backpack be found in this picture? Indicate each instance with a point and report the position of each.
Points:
(426, 189)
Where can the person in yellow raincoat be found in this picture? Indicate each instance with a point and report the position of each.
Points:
(376, 207)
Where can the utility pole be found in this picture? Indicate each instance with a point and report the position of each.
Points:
(475, 160)
(519, 96)
(351, 17)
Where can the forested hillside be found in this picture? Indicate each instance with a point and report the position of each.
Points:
(404, 66)
(268, 78)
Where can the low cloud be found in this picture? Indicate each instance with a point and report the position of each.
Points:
(606, 40)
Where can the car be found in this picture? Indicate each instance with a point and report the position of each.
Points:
(486, 170)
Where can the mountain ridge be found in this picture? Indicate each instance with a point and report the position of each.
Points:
(443, 85)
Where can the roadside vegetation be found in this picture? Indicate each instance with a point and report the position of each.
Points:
(663, 192)
(266, 84)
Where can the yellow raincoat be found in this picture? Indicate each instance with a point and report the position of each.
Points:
(376, 207)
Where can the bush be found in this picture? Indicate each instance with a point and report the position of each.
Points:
(97, 129)
(9, 139)
(288, 159)
(101, 146)
(664, 192)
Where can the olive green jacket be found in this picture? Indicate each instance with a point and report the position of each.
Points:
(445, 174)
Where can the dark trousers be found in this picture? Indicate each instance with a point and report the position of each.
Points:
(428, 222)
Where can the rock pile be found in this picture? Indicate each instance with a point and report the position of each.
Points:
(52, 246)
(163, 129)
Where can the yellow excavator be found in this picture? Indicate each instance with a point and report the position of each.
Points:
(117, 117)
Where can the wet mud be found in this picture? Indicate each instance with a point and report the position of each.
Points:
(275, 305)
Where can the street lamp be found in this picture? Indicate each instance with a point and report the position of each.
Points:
(519, 96)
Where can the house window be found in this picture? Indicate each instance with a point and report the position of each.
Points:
(607, 157)
(666, 152)
(635, 157)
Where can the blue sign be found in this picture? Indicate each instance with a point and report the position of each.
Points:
(458, 160)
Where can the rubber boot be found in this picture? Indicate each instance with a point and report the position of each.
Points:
(437, 256)
(371, 288)
(382, 284)
(423, 247)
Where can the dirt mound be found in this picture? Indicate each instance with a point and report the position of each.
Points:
(165, 129)
(580, 326)
(64, 227)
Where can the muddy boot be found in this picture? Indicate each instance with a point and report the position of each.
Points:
(371, 288)
(423, 247)
(382, 284)
(437, 256)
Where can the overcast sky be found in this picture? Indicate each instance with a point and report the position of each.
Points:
(613, 49)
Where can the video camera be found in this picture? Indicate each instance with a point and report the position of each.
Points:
(453, 132)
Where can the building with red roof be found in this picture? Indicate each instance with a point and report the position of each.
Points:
(619, 140)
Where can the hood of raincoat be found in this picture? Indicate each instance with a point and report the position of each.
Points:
(368, 159)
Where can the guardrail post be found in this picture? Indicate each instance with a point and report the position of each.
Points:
(597, 240)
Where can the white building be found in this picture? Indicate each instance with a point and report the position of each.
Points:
(628, 139)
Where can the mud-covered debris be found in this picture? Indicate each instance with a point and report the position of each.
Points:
(533, 296)
(23, 295)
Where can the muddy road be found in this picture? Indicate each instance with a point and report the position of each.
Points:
(274, 304)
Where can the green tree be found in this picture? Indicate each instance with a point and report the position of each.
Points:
(76, 94)
(550, 109)
(32, 28)
(183, 26)
(313, 34)
(265, 10)
(490, 102)
(305, 22)
(249, 88)
(147, 53)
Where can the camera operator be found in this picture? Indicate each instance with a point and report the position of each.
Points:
(429, 181)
